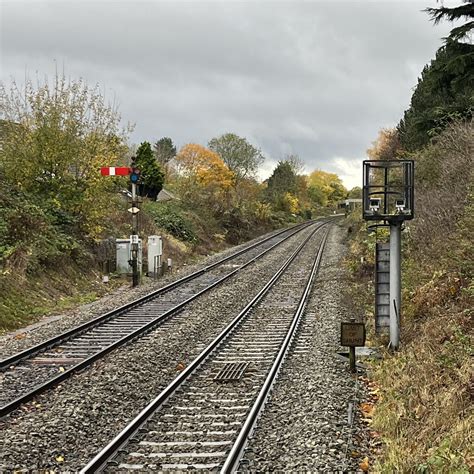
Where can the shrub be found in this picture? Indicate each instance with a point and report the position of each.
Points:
(170, 218)
(30, 236)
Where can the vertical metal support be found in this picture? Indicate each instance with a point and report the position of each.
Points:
(395, 283)
(156, 266)
(382, 287)
(352, 359)
(135, 275)
(365, 184)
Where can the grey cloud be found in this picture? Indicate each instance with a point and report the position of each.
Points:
(314, 78)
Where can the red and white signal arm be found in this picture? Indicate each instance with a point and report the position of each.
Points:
(115, 171)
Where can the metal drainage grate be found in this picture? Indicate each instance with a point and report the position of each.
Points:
(231, 371)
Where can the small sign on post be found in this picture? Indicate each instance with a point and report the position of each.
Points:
(352, 336)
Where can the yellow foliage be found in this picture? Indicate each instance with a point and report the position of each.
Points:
(323, 180)
(263, 211)
(329, 187)
(55, 138)
(364, 465)
(387, 145)
(291, 203)
(208, 169)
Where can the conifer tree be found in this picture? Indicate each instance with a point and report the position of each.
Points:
(152, 178)
(164, 150)
(459, 12)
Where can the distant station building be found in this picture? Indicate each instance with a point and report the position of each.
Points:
(349, 205)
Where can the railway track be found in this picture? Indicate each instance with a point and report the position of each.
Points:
(35, 370)
(204, 418)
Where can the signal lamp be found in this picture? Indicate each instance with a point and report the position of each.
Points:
(135, 175)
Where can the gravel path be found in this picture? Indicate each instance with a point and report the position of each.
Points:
(305, 425)
(51, 326)
(62, 429)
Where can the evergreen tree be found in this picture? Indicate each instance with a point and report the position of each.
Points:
(283, 180)
(151, 175)
(445, 90)
(455, 13)
(164, 150)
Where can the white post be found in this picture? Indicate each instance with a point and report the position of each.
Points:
(395, 284)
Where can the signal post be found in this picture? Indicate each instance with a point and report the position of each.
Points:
(134, 174)
(134, 178)
(388, 199)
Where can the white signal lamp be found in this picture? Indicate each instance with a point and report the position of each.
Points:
(374, 204)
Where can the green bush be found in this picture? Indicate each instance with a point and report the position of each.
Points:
(170, 218)
(30, 236)
(237, 226)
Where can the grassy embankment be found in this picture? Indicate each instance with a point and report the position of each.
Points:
(51, 271)
(425, 410)
(59, 216)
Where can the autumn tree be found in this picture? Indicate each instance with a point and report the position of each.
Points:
(325, 188)
(386, 146)
(151, 175)
(204, 178)
(241, 157)
(355, 193)
(55, 138)
(317, 196)
(301, 193)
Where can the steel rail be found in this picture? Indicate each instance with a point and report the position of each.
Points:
(99, 462)
(233, 459)
(139, 301)
(12, 405)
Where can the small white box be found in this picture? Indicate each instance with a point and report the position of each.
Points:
(155, 251)
(124, 254)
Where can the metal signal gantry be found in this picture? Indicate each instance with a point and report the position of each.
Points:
(388, 197)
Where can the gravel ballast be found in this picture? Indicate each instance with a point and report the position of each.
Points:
(208, 411)
(308, 424)
(50, 326)
(65, 427)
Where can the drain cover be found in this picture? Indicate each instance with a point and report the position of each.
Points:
(231, 371)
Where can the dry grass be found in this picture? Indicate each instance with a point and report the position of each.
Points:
(425, 413)
(24, 301)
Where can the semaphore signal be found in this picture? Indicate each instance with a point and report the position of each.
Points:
(134, 173)
(115, 171)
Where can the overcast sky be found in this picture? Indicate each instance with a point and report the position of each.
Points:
(317, 79)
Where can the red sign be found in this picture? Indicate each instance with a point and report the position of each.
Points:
(115, 171)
